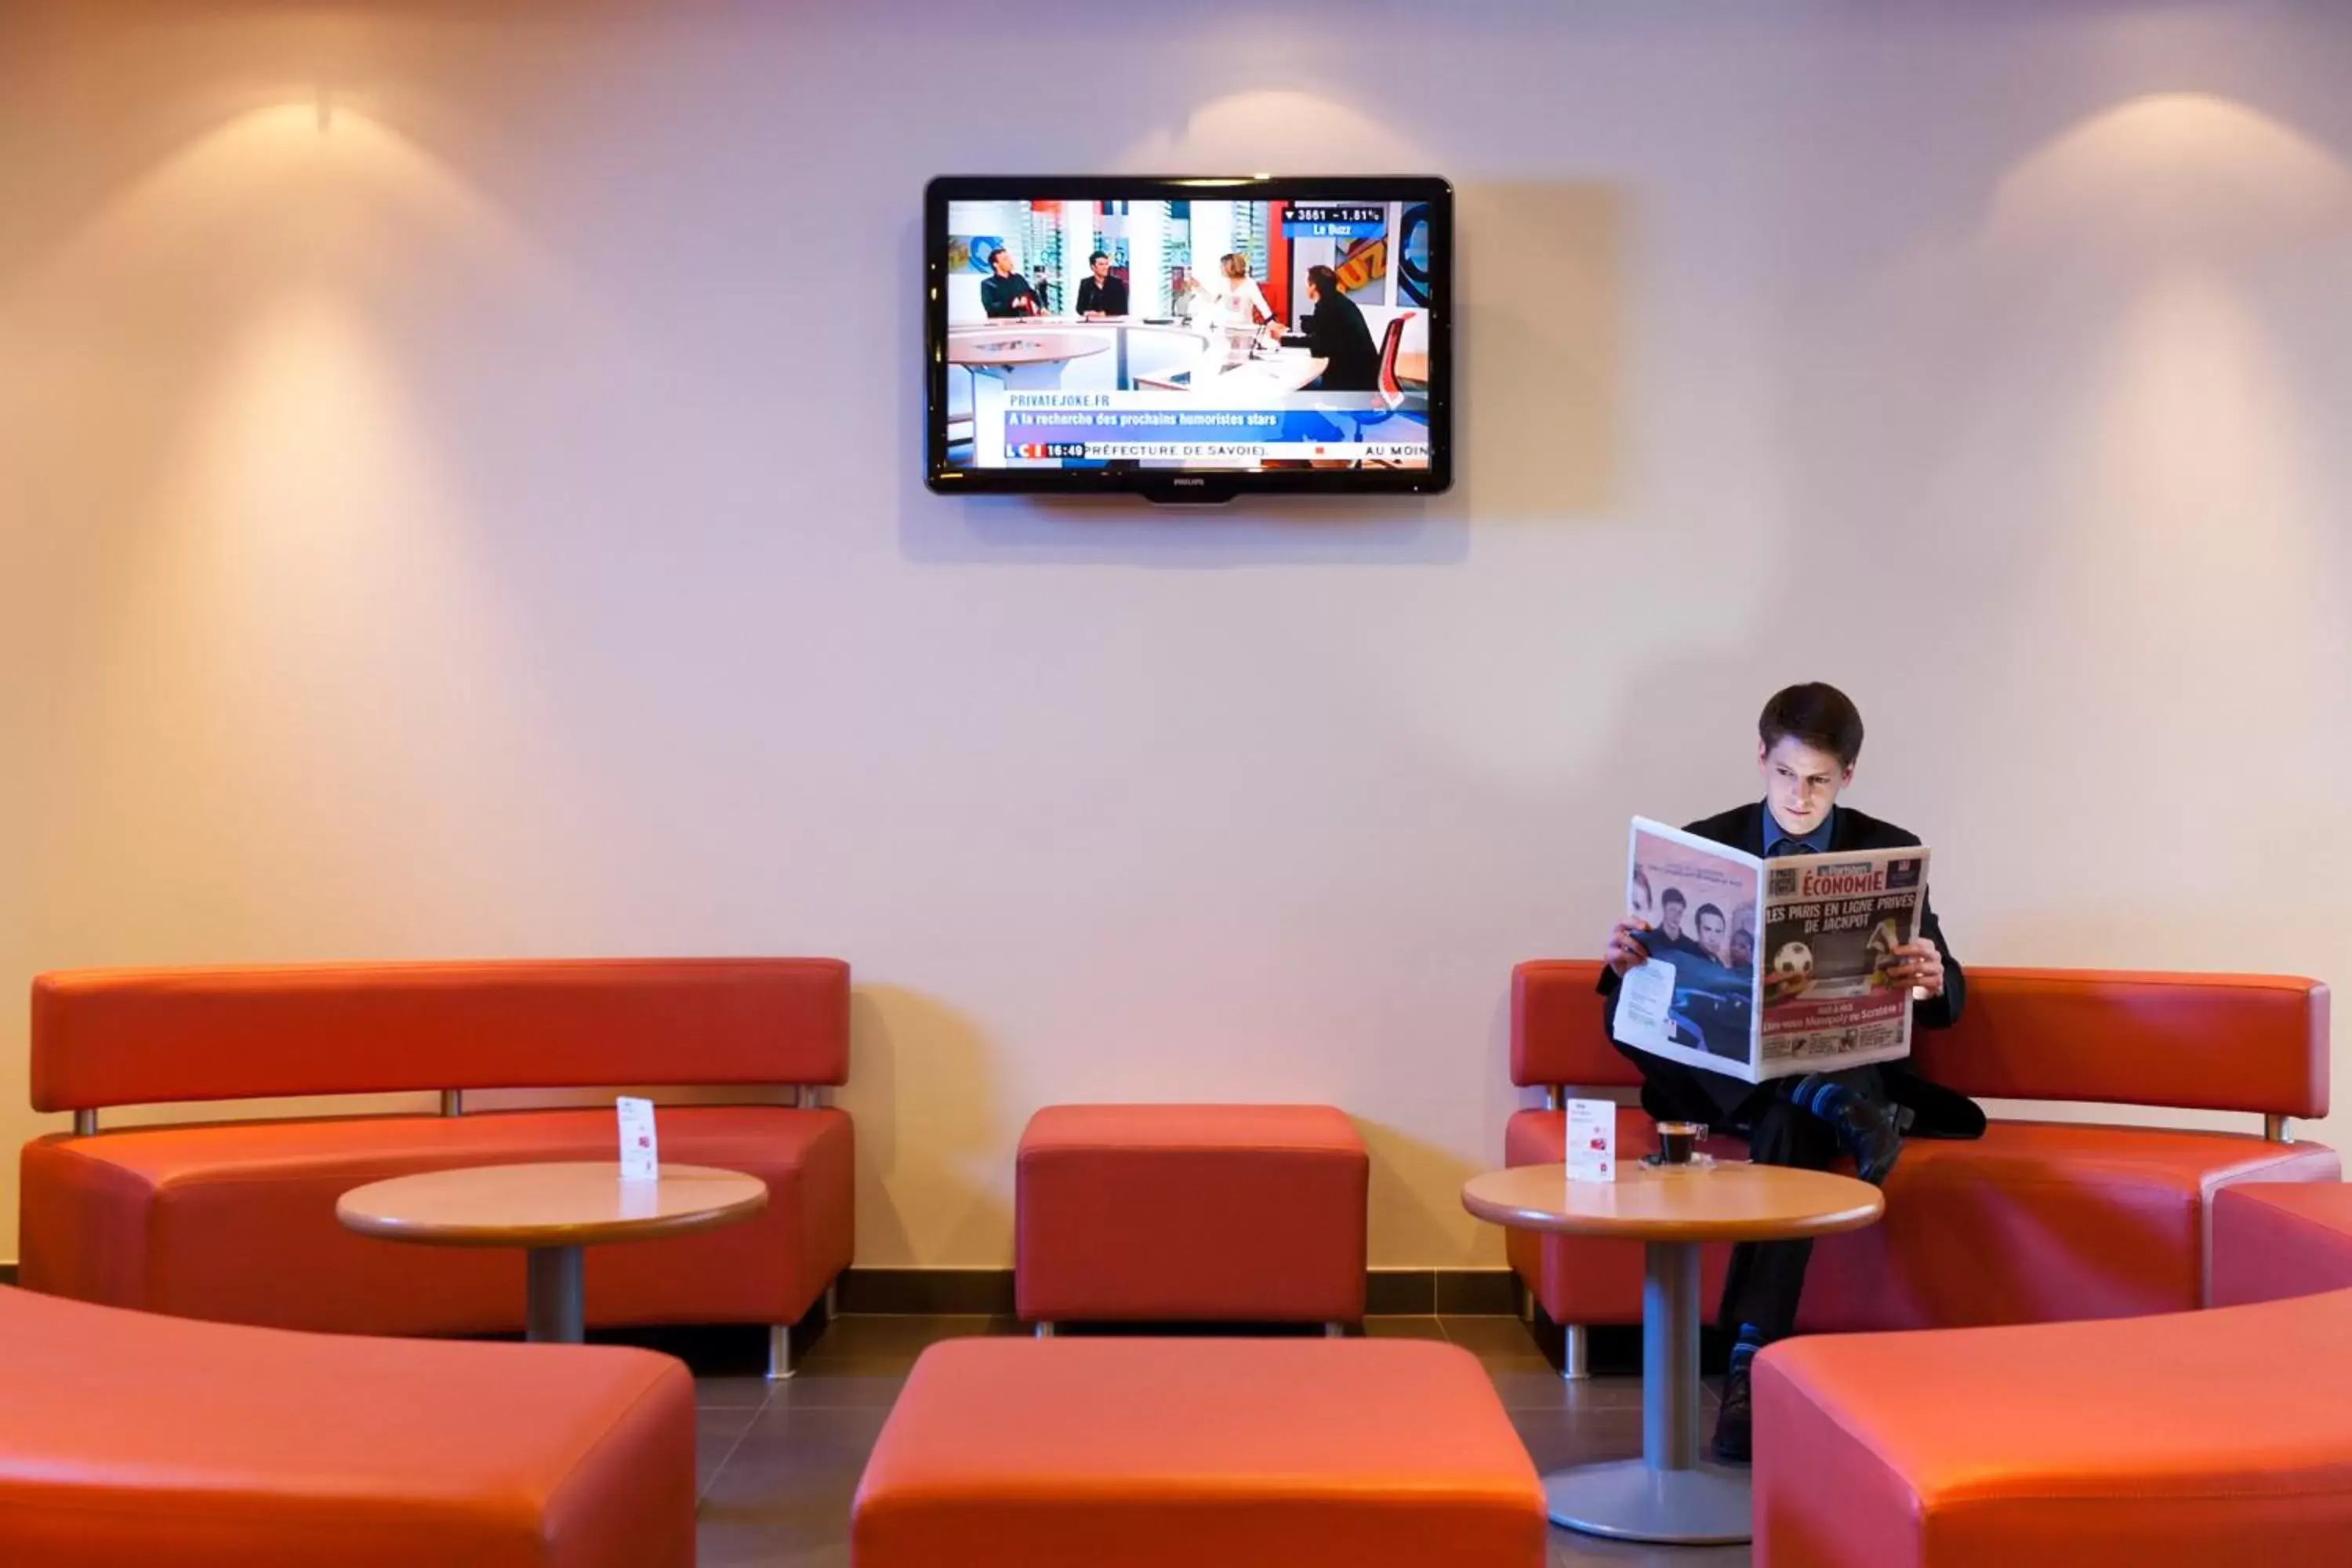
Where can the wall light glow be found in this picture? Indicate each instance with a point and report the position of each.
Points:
(2174, 172)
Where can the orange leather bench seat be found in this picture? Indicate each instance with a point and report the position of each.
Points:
(236, 1220)
(2178, 1441)
(134, 1441)
(2036, 1222)
(1239, 1213)
(1171, 1453)
(2272, 1241)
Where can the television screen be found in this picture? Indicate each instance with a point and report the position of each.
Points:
(1189, 339)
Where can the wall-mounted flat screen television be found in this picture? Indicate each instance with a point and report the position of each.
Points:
(1189, 339)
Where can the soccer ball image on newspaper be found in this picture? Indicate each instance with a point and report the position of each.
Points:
(1793, 972)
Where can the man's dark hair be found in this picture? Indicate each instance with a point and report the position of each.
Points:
(1820, 716)
(1674, 896)
(1704, 910)
(1326, 282)
(1098, 256)
(1004, 250)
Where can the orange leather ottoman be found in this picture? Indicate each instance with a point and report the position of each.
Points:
(2178, 1441)
(2273, 1240)
(131, 1440)
(1181, 1453)
(1238, 1213)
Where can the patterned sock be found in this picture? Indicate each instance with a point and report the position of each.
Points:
(1744, 1348)
(1817, 1093)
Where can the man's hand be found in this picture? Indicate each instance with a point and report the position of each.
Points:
(1920, 967)
(1625, 948)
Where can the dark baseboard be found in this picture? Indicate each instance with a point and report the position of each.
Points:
(988, 1292)
(928, 1292)
(1421, 1292)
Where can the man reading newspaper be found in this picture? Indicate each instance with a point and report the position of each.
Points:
(1807, 741)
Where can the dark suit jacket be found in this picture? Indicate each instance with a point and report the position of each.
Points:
(1937, 1111)
(1109, 296)
(1336, 333)
(1003, 296)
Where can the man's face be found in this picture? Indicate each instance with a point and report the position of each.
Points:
(1670, 917)
(1710, 934)
(1801, 784)
(1102, 267)
(1003, 262)
(1743, 950)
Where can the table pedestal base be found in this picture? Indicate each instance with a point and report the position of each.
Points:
(1628, 1501)
(1667, 1494)
(557, 1313)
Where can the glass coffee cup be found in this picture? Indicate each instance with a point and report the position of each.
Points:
(1678, 1140)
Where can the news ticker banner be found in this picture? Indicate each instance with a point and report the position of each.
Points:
(1335, 220)
(1102, 427)
(1416, 452)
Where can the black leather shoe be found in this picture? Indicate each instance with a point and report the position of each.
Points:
(1734, 1441)
(1867, 1131)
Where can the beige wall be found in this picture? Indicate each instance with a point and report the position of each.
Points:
(459, 495)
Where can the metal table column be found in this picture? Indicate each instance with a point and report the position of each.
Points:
(1667, 1494)
(557, 1308)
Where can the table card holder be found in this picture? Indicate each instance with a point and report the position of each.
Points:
(640, 1151)
(1591, 1140)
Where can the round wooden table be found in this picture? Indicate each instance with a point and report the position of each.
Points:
(1668, 1494)
(554, 1210)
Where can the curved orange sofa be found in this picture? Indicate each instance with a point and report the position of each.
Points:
(236, 1220)
(129, 1440)
(2175, 1441)
(2037, 1221)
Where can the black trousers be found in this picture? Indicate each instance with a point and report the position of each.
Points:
(1766, 1277)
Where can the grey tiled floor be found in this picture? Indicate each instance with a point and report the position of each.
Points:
(778, 1464)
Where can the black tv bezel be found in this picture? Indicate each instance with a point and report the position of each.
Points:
(1171, 485)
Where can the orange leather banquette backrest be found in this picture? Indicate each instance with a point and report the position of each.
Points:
(2213, 1042)
(131, 1036)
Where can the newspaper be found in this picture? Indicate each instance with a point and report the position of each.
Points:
(1763, 968)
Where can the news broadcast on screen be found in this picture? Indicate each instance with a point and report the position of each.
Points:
(1187, 333)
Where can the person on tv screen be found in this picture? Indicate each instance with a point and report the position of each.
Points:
(1101, 295)
(1241, 303)
(1007, 293)
(1807, 740)
(1336, 334)
(1044, 290)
